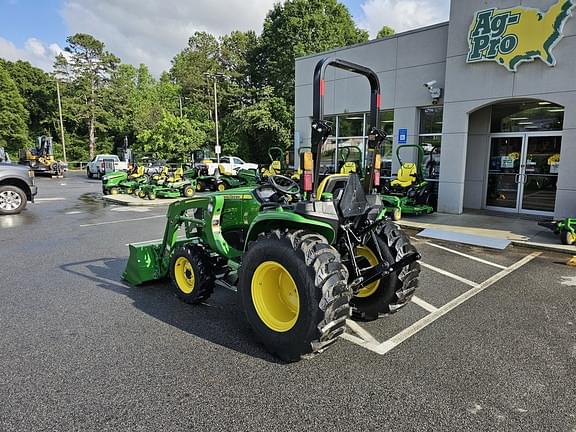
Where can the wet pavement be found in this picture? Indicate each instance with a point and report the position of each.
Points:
(81, 350)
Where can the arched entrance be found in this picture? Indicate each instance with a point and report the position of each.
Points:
(523, 156)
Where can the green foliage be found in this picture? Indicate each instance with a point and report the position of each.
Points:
(172, 138)
(385, 32)
(297, 28)
(13, 115)
(39, 92)
(262, 125)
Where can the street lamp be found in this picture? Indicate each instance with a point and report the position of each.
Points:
(215, 76)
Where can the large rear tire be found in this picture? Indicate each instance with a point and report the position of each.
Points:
(294, 291)
(191, 273)
(393, 291)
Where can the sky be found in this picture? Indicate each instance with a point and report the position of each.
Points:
(153, 31)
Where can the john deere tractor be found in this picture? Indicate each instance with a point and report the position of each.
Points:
(302, 267)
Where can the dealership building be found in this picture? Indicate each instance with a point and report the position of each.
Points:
(490, 96)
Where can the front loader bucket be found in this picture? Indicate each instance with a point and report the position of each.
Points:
(144, 264)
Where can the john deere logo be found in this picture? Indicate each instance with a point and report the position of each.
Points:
(516, 35)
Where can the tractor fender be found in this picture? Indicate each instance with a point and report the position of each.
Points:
(268, 221)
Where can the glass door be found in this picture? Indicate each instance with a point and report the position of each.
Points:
(540, 173)
(504, 173)
(523, 173)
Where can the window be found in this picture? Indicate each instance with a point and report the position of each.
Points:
(430, 138)
(238, 161)
(527, 117)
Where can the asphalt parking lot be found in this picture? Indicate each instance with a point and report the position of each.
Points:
(488, 344)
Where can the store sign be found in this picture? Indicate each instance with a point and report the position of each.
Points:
(512, 36)
(402, 136)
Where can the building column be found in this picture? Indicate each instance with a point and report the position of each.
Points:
(406, 118)
(453, 159)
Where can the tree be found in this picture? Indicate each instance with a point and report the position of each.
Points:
(173, 138)
(39, 92)
(385, 32)
(263, 124)
(86, 67)
(297, 28)
(13, 114)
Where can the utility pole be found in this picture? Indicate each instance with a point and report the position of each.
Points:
(216, 120)
(180, 99)
(215, 76)
(61, 121)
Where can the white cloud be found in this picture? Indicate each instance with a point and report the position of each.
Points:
(402, 15)
(35, 51)
(153, 31)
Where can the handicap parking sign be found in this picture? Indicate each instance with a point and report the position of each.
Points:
(402, 136)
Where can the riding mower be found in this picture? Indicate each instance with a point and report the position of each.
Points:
(277, 163)
(408, 193)
(125, 182)
(168, 185)
(565, 228)
(302, 266)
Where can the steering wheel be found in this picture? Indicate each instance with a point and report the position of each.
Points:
(284, 185)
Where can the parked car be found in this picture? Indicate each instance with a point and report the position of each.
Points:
(230, 164)
(16, 188)
(103, 164)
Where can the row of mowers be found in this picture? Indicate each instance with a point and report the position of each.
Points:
(173, 184)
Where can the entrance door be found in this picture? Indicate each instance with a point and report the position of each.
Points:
(523, 173)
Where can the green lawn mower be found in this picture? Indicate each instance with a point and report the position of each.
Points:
(565, 228)
(301, 266)
(177, 184)
(124, 182)
(409, 192)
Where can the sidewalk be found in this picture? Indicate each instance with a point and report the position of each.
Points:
(520, 230)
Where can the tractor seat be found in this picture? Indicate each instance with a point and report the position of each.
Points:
(176, 176)
(348, 167)
(276, 166)
(406, 175)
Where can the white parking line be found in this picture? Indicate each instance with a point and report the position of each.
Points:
(424, 304)
(480, 260)
(122, 221)
(49, 199)
(360, 331)
(450, 275)
(407, 333)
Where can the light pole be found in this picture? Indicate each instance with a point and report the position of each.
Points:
(215, 76)
(61, 121)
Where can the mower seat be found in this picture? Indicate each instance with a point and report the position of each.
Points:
(348, 168)
(176, 176)
(406, 175)
(223, 171)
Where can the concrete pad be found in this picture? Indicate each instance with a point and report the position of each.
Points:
(471, 239)
(520, 230)
(131, 200)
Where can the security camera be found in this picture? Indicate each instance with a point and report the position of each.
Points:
(435, 91)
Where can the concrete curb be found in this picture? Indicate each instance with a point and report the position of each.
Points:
(558, 248)
(129, 200)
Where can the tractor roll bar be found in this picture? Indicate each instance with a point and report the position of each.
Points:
(318, 102)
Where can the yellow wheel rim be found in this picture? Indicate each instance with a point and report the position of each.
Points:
(397, 215)
(367, 253)
(199, 187)
(221, 187)
(571, 238)
(114, 191)
(275, 296)
(189, 192)
(184, 274)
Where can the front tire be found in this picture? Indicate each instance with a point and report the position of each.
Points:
(12, 200)
(393, 291)
(191, 274)
(294, 292)
(567, 238)
(188, 191)
(88, 173)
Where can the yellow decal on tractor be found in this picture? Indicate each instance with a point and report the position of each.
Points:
(516, 35)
